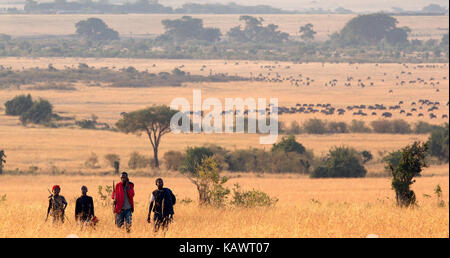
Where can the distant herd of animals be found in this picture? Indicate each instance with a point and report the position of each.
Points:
(420, 108)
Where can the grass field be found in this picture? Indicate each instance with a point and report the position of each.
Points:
(67, 149)
(306, 208)
(138, 25)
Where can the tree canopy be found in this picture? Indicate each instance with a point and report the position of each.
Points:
(307, 32)
(95, 29)
(254, 31)
(188, 28)
(154, 121)
(289, 144)
(371, 29)
(439, 143)
(341, 162)
(410, 165)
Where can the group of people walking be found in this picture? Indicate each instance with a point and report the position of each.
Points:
(162, 201)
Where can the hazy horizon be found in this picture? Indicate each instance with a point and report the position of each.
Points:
(298, 5)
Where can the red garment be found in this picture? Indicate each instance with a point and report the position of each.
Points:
(118, 196)
(55, 186)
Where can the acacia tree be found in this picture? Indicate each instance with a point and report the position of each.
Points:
(410, 165)
(154, 121)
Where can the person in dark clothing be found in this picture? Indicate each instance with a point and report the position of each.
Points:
(161, 202)
(84, 208)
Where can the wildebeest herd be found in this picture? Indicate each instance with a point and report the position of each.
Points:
(419, 108)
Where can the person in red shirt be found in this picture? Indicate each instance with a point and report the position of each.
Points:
(123, 201)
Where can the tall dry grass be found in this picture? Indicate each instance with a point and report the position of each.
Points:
(306, 208)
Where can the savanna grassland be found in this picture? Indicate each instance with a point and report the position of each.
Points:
(68, 148)
(148, 25)
(306, 208)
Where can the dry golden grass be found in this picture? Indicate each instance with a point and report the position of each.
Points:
(306, 208)
(108, 103)
(67, 149)
(423, 27)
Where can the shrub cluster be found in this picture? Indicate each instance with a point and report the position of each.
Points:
(127, 77)
(438, 143)
(36, 112)
(341, 162)
(397, 126)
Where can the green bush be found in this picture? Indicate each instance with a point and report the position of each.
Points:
(194, 156)
(438, 143)
(251, 199)
(366, 156)
(397, 126)
(289, 162)
(341, 162)
(411, 163)
(250, 160)
(382, 126)
(424, 128)
(39, 113)
(173, 159)
(288, 144)
(337, 127)
(18, 105)
(86, 124)
(359, 127)
(294, 128)
(393, 159)
(400, 126)
(209, 183)
(315, 126)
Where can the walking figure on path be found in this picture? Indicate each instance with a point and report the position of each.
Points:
(56, 205)
(123, 202)
(162, 202)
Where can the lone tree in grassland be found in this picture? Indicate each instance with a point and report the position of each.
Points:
(411, 163)
(307, 32)
(188, 28)
(95, 29)
(254, 31)
(2, 160)
(155, 121)
(371, 29)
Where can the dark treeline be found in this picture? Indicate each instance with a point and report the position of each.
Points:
(365, 38)
(145, 6)
(152, 6)
(61, 79)
(383, 126)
